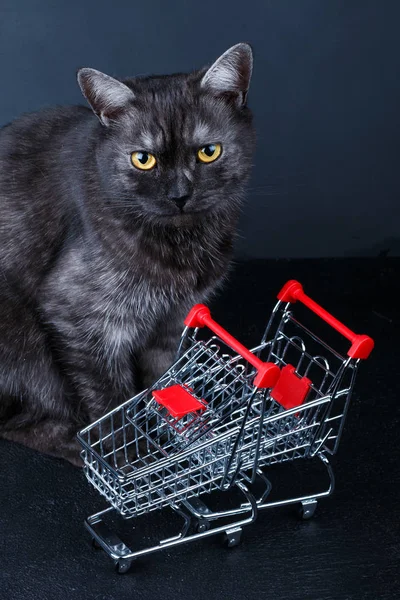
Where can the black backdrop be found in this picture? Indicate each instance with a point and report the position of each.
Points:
(325, 93)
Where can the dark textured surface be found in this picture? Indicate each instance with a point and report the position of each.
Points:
(350, 550)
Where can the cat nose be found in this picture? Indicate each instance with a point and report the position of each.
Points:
(180, 190)
(180, 201)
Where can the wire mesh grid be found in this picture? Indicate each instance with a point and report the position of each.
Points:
(288, 342)
(217, 379)
(141, 458)
(129, 454)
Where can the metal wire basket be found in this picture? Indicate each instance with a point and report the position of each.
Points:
(218, 416)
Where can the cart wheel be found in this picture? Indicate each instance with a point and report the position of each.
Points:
(233, 537)
(307, 509)
(122, 565)
(202, 525)
(95, 544)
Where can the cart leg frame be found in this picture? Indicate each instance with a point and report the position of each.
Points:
(308, 503)
(123, 556)
(195, 509)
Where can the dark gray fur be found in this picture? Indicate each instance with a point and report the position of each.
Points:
(99, 262)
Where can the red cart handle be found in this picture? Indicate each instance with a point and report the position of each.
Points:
(268, 373)
(361, 345)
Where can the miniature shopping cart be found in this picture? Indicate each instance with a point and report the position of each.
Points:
(216, 420)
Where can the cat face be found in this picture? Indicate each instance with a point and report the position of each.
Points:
(178, 146)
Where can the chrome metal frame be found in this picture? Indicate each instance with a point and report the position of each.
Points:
(141, 459)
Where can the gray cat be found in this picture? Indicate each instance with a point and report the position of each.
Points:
(113, 225)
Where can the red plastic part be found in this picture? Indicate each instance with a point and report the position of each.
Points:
(196, 316)
(267, 376)
(361, 345)
(268, 373)
(178, 401)
(291, 390)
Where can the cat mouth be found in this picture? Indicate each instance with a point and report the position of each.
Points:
(168, 212)
(181, 218)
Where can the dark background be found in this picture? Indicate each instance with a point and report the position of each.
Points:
(325, 92)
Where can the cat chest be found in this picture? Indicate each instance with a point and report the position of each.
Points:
(133, 316)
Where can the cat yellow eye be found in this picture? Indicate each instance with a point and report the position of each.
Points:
(143, 160)
(209, 153)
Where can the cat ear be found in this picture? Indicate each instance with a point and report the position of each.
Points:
(231, 73)
(107, 96)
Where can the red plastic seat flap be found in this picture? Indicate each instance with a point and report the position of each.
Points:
(178, 401)
(291, 390)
